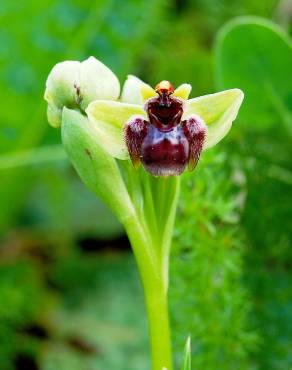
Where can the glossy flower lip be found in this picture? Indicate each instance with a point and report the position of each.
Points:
(217, 110)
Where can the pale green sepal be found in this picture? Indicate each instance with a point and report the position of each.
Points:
(131, 91)
(97, 81)
(98, 170)
(187, 355)
(108, 119)
(218, 111)
(134, 91)
(183, 91)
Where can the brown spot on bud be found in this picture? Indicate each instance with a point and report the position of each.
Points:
(78, 93)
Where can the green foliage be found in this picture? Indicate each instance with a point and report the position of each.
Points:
(265, 54)
(191, 26)
(187, 356)
(100, 322)
(21, 299)
(206, 291)
(265, 156)
(92, 320)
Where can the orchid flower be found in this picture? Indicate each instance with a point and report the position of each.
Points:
(84, 100)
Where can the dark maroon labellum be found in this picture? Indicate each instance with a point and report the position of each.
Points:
(165, 144)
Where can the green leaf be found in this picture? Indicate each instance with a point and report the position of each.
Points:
(256, 55)
(108, 119)
(98, 170)
(218, 111)
(187, 355)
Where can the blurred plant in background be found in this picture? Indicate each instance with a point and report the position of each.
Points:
(58, 302)
(208, 298)
(267, 54)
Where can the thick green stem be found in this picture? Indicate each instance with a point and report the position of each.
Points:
(160, 339)
(150, 234)
(155, 292)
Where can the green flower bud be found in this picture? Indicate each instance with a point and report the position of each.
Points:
(74, 84)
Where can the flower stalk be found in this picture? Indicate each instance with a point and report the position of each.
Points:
(155, 292)
(154, 267)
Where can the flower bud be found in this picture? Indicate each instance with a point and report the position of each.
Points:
(74, 84)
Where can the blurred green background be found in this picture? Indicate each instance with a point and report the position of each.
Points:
(70, 296)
